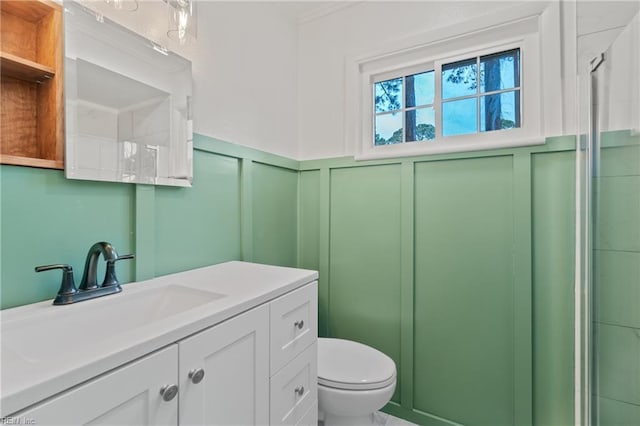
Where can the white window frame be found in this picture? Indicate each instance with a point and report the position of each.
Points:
(488, 135)
(522, 33)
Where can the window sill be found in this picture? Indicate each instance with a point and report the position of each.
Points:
(414, 149)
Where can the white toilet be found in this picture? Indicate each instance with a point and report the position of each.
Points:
(354, 381)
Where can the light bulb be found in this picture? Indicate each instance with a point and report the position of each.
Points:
(183, 22)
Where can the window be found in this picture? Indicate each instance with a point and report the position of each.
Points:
(478, 94)
(488, 103)
(407, 118)
(470, 86)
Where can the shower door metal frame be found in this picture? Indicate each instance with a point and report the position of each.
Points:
(585, 337)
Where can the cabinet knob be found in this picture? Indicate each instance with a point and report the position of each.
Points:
(168, 392)
(299, 390)
(196, 375)
(299, 324)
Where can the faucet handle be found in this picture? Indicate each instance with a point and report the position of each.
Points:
(110, 276)
(62, 266)
(67, 285)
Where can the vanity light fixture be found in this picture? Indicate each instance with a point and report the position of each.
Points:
(182, 20)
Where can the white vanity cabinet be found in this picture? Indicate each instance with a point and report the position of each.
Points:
(126, 396)
(258, 367)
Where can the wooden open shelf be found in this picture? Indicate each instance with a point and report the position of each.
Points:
(24, 69)
(31, 162)
(31, 96)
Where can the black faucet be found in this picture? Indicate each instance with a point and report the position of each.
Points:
(89, 277)
(89, 288)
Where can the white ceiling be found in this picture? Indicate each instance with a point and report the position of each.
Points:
(599, 24)
(594, 16)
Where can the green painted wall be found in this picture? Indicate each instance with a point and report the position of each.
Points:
(46, 218)
(464, 296)
(309, 233)
(365, 257)
(616, 280)
(553, 195)
(275, 215)
(460, 267)
(200, 225)
(457, 266)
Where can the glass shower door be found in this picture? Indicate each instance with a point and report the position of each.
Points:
(612, 184)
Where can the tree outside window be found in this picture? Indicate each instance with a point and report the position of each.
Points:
(479, 94)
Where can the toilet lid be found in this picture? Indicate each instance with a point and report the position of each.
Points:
(345, 364)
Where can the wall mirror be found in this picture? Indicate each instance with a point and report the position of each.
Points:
(128, 104)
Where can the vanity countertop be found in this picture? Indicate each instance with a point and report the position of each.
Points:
(47, 349)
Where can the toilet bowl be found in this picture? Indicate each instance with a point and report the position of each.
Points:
(354, 381)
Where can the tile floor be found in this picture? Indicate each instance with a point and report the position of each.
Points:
(384, 419)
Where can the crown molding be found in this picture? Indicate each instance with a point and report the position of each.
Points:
(326, 9)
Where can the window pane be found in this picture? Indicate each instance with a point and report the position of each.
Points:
(459, 117)
(459, 79)
(388, 95)
(420, 89)
(388, 129)
(420, 124)
(500, 111)
(500, 71)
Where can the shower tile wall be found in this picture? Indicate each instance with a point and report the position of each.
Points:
(617, 280)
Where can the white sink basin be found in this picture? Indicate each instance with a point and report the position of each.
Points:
(61, 331)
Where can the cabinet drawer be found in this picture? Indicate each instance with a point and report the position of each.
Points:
(294, 324)
(311, 418)
(294, 389)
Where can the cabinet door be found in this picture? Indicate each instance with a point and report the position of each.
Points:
(234, 356)
(129, 395)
